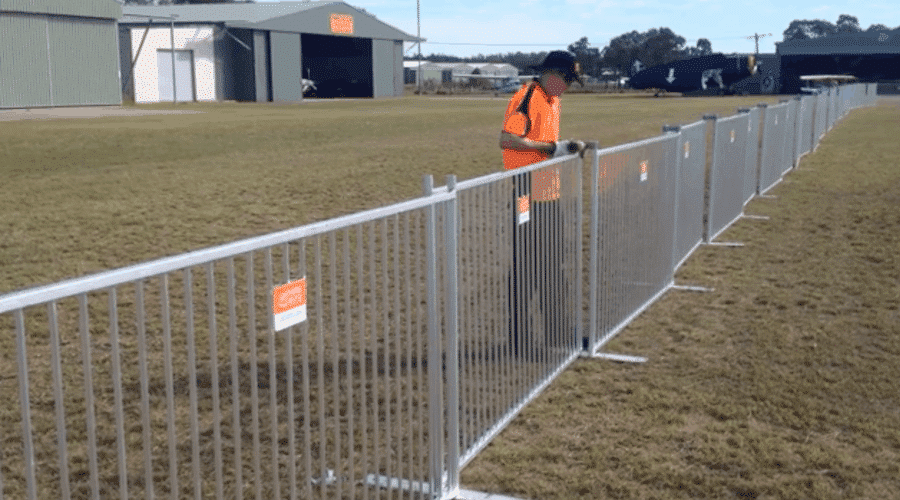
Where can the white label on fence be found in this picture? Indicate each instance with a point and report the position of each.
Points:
(687, 149)
(776, 119)
(523, 206)
(733, 135)
(644, 169)
(750, 126)
(289, 304)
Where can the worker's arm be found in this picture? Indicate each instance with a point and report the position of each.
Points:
(514, 142)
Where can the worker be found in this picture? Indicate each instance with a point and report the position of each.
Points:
(530, 135)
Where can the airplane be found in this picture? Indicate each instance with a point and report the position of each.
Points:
(818, 83)
(704, 75)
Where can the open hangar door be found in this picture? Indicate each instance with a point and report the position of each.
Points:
(340, 66)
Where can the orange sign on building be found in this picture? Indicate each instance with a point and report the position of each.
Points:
(342, 24)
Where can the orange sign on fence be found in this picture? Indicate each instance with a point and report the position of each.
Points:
(523, 205)
(289, 304)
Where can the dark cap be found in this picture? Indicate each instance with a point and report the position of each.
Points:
(565, 63)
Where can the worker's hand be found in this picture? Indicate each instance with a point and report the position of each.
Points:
(569, 147)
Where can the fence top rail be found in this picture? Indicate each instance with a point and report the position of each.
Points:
(106, 279)
(645, 142)
(494, 177)
(744, 116)
(696, 124)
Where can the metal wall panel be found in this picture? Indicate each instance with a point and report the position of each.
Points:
(24, 66)
(261, 66)
(286, 68)
(398, 68)
(383, 68)
(84, 62)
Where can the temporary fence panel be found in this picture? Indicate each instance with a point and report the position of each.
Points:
(805, 125)
(821, 118)
(789, 155)
(519, 291)
(302, 362)
(632, 228)
(751, 165)
(775, 133)
(691, 184)
(729, 164)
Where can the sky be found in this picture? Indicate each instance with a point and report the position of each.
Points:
(466, 28)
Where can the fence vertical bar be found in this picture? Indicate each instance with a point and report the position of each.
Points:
(170, 397)
(27, 436)
(117, 391)
(435, 378)
(273, 376)
(145, 389)
(289, 392)
(214, 369)
(594, 265)
(451, 231)
(192, 384)
(710, 181)
(254, 373)
(88, 396)
(56, 370)
(235, 383)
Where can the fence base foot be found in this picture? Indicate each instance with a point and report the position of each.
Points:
(693, 288)
(622, 358)
(767, 196)
(756, 217)
(725, 244)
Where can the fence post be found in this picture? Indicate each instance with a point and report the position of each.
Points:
(710, 185)
(435, 351)
(676, 129)
(763, 108)
(451, 232)
(594, 264)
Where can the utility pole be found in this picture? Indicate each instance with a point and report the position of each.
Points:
(757, 36)
(419, 41)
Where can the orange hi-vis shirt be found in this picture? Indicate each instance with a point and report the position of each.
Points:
(543, 111)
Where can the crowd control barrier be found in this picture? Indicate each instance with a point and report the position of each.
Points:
(376, 352)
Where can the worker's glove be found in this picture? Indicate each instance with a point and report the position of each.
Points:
(564, 148)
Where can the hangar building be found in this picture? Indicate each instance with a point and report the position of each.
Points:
(870, 56)
(58, 53)
(258, 52)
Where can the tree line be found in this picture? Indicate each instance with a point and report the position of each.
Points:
(653, 47)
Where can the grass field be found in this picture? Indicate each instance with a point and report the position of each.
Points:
(82, 196)
(780, 384)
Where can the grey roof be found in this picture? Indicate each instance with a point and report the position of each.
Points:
(277, 16)
(866, 42)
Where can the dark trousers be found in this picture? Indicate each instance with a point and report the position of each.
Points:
(537, 280)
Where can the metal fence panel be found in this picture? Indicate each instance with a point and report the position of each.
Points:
(775, 134)
(805, 125)
(690, 194)
(188, 387)
(751, 165)
(729, 163)
(632, 226)
(519, 271)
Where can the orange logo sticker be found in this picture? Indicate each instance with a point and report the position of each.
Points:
(645, 167)
(342, 23)
(687, 149)
(289, 304)
(733, 135)
(523, 204)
